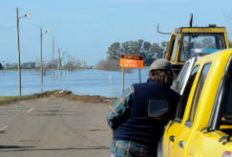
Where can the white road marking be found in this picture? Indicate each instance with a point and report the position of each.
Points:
(29, 110)
(3, 129)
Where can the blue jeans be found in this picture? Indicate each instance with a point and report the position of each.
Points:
(121, 148)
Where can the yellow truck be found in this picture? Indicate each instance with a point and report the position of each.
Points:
(203, 123)
(185, 42)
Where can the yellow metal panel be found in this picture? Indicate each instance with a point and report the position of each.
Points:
(206, 145)
(203, 30)
(198, 143)
(170, 46)
(208, 95)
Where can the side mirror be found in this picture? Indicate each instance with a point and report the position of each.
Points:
(157, 108)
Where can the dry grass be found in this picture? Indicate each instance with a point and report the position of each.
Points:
(57, 93)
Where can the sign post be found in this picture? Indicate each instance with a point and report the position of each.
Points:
(140, 79)
(123, 79)
(131, 61)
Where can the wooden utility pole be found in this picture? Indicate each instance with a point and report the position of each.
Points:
(19, 59)
(60, 66)
(123, 79)
(18, 43)
(41, 56)
(53, 49)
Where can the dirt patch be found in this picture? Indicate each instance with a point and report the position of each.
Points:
(93, 99)
(83, 98)
(61, 93)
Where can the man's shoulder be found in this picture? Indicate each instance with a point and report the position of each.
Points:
(147, 86)
(141, 85)
(155, 87)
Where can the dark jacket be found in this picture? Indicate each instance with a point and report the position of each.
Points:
(132, 123)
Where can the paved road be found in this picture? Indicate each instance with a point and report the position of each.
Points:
(54, 127)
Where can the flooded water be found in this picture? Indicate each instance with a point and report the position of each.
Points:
(82, 82)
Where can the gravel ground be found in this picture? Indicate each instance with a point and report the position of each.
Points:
(59, 126)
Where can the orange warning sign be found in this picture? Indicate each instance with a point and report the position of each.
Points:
(131, 61)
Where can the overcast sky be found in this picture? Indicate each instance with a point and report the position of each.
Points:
(85, 28)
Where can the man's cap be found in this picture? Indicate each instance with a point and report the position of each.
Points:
(160, 64)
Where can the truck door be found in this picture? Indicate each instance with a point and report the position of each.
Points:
(173, 129)
(215, 139)
(187, 127)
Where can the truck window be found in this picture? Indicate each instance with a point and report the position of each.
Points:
(207, 42)
(221, 115)
(197, 94)
(182, 76)
(184, 97)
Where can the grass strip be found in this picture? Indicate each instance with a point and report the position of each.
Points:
(57, 93)
(10, 99)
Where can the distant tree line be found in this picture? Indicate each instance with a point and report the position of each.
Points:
(68, 63)
(150, 52)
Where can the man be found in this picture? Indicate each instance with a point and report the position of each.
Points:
(134, 133)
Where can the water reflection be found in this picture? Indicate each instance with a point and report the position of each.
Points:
(82, 82)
